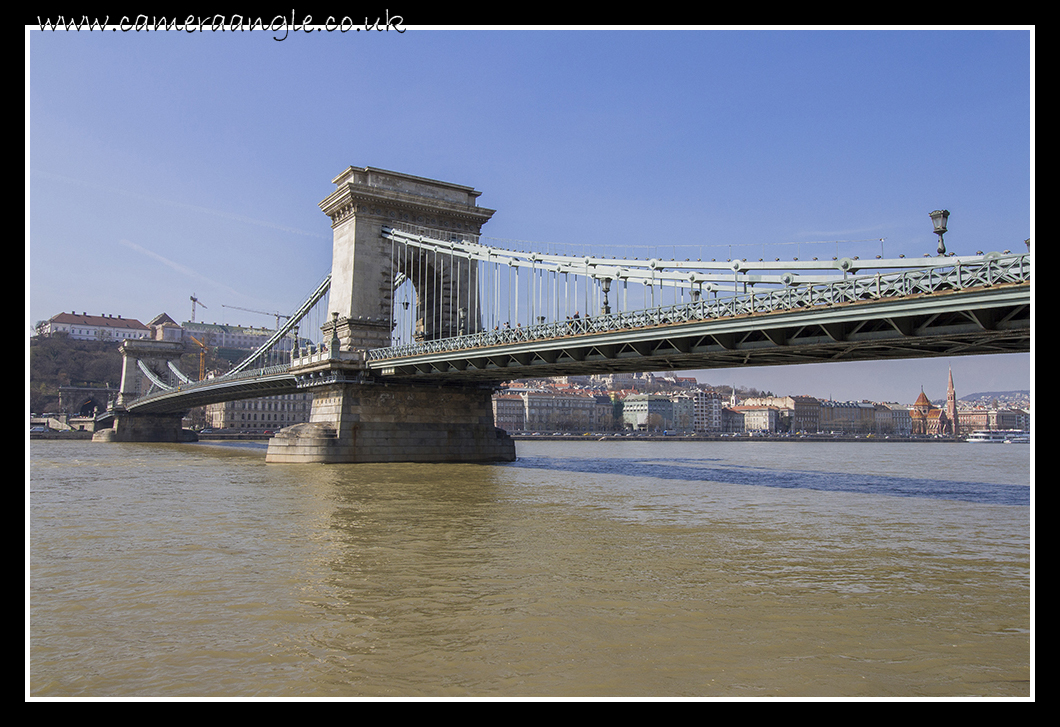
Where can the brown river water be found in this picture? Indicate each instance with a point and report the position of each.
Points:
(584, 569)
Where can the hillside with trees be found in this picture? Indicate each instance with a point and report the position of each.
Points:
(59, 360)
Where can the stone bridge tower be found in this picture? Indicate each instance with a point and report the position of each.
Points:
(364, 266)
(356, 418)
(156, 357)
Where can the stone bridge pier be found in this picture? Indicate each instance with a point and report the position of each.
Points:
(354, 417)
(128, 426)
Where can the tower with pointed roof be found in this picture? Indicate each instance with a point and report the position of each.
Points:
(951, 408)
(922, 403)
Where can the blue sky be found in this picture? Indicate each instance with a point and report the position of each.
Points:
(162, 164)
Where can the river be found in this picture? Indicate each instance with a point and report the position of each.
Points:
(584, 569)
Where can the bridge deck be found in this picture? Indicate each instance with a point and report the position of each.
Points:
(949, 308)
(980, 321)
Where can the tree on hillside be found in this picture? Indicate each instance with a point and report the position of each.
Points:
(58, 360)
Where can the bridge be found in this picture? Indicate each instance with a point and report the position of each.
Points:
(404, 341)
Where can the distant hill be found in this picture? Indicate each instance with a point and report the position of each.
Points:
(998, 394)
(1015, 398)
(59, 360)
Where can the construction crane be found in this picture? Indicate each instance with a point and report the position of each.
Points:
(202, 355)
(279, 317)
(195, 301)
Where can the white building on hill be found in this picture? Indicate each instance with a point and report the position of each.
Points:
(83, 327)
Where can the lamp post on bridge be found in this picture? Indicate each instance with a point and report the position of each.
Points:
(938, 219)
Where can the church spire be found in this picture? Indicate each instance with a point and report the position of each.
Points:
(951, 407)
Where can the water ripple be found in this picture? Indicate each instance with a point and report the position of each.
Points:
(701, 470)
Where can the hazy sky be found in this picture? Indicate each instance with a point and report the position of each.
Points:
(165, 164)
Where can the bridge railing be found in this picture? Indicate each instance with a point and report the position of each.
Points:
(205, 384)
(946, 275)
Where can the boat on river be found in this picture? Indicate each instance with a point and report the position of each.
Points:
(999, 436)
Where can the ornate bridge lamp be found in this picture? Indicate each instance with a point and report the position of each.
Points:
(605, 284)
(938, 219)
